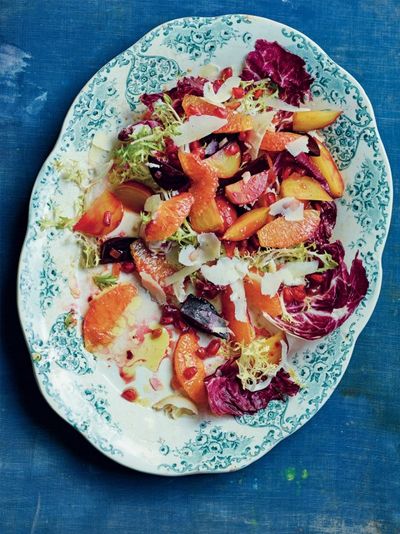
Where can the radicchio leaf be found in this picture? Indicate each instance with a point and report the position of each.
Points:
(287, 70)
(189, 85)
(226, 394)
(327, 222)
(334, 299)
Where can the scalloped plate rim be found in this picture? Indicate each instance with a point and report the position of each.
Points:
(361, 323)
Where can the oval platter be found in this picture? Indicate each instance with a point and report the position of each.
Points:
(86, 392)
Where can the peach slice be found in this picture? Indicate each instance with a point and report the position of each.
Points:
(226, 162)
(258, 301)
(247, 224)
(277, 141)
(281, 233)
(304, 121)
(133, 195)
(204, 214)
(328, 168)
(189, 368)
(303, 188)
(246, 191)
(102, 217)
(169, 217)
(237, 122)
(103, 315)
(243, 332)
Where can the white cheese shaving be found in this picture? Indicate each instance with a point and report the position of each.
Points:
(291, 274)
(209, 249)
(261, 123)
(103, 140)
(277, 103)
(180, 275)
(197, 127)
(246, 176)
(291, 208)
(153, 287)
(298, 146)
(224, 92)
(209, 71)
(153, 203)
(225, 272)
(238, 297)
(179, 290)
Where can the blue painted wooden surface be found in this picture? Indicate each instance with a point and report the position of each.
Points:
(339, 473)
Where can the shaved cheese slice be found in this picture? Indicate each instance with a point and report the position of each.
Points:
(209, 71)
(224, 92)
(291, 208)
(209, 249)
(153, 203)
(225, 272)
(277, 103)
(153, 287)
(238, 297)
(291, 274)
(261, 123)
(175, 406)
(180, 275)
(298, 146)
(197, 127)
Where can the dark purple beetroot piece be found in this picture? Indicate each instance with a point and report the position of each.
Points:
(116, 249)
(201, 314)
(165, 175)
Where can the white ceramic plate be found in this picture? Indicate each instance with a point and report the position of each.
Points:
(85, 392)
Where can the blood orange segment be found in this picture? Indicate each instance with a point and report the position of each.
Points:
(153, 264)
(189, 368)
(169, 217)
(281, 233)
(102, 217)
(237, 122)
(204, 214)
(243, 332)
(104, 313)
(277, 141)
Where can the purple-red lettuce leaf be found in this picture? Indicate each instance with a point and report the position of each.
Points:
(331, 301)
(188, 85)
(287, 70)
(226, 394)
(125, 133)
(327, 222)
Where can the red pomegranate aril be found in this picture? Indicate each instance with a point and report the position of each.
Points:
(316, 277)
(226, 73)
(222, 113)
(129, 355)
(299, 293)
(213, 347)
(115, 253)
(258, 93)
(156, 333)
(201, 353)
(107, 218)
(238, 92)
(270, 198)
(217, 84)
(129, 394)
(243, 136)
(127, 267)
(182, 326)
(166, 320)
(232, 149)
(189, 372)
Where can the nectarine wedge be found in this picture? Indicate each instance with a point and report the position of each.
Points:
(204, 214)
(303, 188)
(102, 217)
(133, 195)
(247, 224)
(189, 368)
(168, 217)
(226, 161)
(243, 332)
(304, 121)
(103, 315)
(328, 168)
(281, 233)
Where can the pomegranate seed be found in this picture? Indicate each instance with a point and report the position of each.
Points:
(258, 93)
(213, 347)
(129, 395)
(270, 198)
(226, 73)
(189, 372)
(114, 253)
(238, 92)
(182, 326)
(217, 84)
(243, 136)
(156, 333)
(90, 298)
(232, 148)
(201, 353)
(107, 218)
(166, 319)
(243, 246)
(287, 295)
(195, 145)
(298, 293)
(127, 267)
(129, 355)
(316, 277)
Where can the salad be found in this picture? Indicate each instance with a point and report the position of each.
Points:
(206, 239)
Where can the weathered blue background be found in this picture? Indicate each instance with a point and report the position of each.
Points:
(51, 479)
